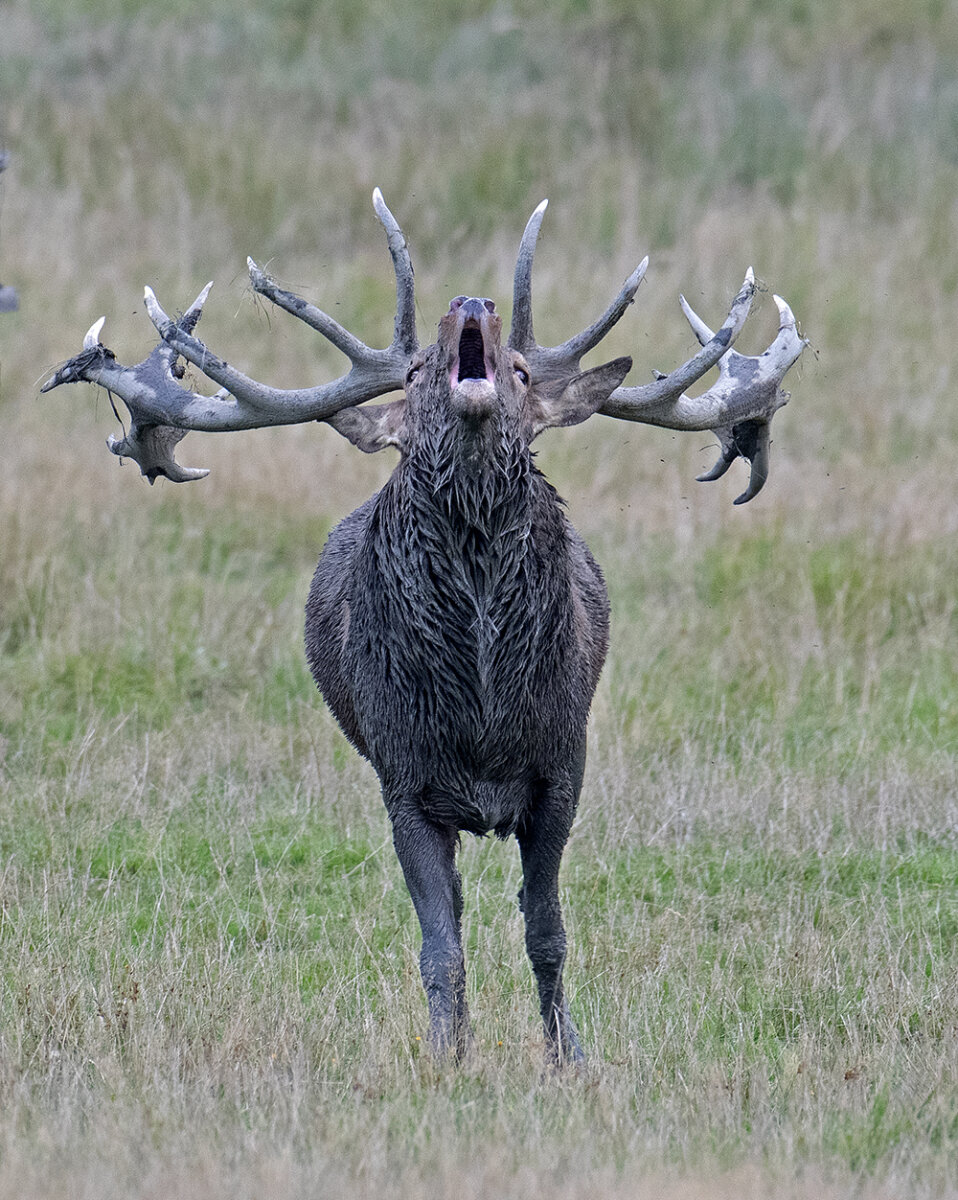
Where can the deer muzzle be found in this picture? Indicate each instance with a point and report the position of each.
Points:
(470, 333)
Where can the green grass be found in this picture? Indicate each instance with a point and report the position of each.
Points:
(208, 959)
(199, 891)
(768, 996)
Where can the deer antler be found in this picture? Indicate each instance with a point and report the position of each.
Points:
(162, 410)
(738, 407)
(558, 362)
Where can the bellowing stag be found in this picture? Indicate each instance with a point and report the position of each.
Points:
(457, 623)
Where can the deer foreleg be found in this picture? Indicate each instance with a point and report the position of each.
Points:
(427, 854)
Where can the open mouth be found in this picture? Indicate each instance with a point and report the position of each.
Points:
(470, 332)
(472, 358)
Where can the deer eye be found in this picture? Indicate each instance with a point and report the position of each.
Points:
(523, 376)
(412, 373)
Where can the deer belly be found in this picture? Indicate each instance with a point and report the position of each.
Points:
(456, 727)
(478, 808)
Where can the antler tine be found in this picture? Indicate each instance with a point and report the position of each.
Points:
(92, 336)
(151, 448)
(583, 342)
(405, 327)
(90, 364)
(551, 362)
(699, 328)
(405, 341)
(521, 336)
(788, 343)
(749, 440)
(192, 315)
(166, 353)
(308, 313)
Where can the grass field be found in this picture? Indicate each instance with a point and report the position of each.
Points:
(208, 960)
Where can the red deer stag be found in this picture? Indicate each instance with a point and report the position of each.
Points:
(457, 623)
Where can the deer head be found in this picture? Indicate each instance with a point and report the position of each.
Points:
(468, 383)
(522, 383)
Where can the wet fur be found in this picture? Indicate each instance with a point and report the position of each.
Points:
(456, 626)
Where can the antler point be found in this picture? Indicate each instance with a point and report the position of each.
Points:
(92, 337)
(381, 207)
(632, 283)
(201, 298)
(257, 276)
(786, 316)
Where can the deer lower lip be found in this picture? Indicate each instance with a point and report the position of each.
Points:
(474, 398)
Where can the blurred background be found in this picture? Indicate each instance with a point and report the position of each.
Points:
(163, 142)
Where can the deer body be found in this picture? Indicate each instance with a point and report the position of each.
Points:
(488, 644)
(457, 624)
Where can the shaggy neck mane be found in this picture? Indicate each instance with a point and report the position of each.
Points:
(472, 476)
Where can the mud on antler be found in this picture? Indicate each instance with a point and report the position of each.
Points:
(738, 407)
(163, 410)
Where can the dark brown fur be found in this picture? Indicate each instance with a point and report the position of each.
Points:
(456, 626)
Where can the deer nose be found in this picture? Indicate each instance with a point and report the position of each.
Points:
(472, 307)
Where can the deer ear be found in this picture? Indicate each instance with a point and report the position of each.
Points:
(374, 427)
(561, 402)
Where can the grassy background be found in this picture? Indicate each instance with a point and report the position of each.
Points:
(208, 979)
